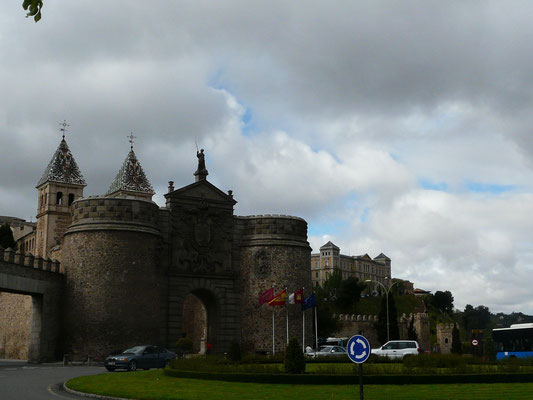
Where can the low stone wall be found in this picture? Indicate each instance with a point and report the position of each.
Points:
(352, 324)
(15, 310)
(29, 324)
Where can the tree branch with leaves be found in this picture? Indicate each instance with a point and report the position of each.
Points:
(34, 8)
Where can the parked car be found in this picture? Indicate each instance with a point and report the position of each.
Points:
(144, 357)
(398, 349)
(328, 351)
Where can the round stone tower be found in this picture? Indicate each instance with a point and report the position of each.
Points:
(113, 282)
(275, 252)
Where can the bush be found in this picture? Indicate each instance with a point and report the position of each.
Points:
(234, 352)
(294, 358)
(183, 346)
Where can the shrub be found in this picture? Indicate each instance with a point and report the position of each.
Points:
(183, 346)
(234, 352)
(294, 358)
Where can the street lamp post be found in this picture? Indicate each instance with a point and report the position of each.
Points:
(387, 290)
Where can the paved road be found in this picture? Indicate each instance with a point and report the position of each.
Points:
(22, 381)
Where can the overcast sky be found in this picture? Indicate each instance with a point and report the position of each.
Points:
(394, 127)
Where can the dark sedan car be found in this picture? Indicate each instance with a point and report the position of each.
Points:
(144, 357)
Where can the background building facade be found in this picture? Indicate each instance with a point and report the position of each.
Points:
(363, 267)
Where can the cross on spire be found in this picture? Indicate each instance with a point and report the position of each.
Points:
(131, 137)
(63, 128)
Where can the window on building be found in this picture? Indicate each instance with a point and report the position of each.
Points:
(327, 263)
(70, 198)
(59, 198)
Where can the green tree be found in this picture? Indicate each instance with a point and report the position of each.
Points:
(327, 325)
(6, 237)
(476, 318)
(411, 331)
(443, 301)
(456, 340)
(294, 358)
(183, 346)
(348, 295)
(234, 352)
(381, 325)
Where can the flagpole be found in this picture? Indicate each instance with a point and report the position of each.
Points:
(287, 315)
(316, 329)
(303, 325)
(273, 331)
(273, 348)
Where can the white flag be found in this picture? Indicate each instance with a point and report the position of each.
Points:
(291, 299)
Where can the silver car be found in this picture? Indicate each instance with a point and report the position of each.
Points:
(328, 351)
(397, 349)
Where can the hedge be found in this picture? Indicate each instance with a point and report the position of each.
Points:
(316, 379)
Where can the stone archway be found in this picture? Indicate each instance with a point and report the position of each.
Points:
(199, 319)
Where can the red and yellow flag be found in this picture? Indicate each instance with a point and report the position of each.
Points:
(280, 299)
(297, 297)
(266, 296)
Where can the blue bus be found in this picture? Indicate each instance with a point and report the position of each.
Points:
(515, 341)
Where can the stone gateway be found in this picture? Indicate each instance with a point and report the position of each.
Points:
(136, 273)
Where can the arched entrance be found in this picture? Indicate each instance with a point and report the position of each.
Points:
(199, 316)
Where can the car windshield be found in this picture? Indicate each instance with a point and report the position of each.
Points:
(325, 349)
(135, 350)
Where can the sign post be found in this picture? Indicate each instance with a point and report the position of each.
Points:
(358, 350)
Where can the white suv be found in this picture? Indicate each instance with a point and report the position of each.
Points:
(397, 349)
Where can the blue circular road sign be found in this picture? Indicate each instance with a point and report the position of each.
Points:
(358, 349)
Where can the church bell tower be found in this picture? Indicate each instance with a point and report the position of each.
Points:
(60, 184)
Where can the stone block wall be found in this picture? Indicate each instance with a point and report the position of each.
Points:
(22, 274)
(113, 277)
(364, 325)
(15, 312)
(444, 338)
(274, 252)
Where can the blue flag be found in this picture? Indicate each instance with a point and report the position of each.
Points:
(309, 302)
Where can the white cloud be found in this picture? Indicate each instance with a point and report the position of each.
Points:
(341, 115)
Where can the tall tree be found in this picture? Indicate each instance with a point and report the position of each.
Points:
(6, 237)
(411, 331)
(381, 325)
(443, 301)
(476, 318)
(348, 295)
(456, 341)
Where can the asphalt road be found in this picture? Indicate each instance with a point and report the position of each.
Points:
(22, 381)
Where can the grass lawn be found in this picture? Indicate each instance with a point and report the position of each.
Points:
(154, 385)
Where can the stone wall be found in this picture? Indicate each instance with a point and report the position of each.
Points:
(28, 275)
(444, 338)
(275, 252)
(15, 312)
(364, 325)
(113, 279)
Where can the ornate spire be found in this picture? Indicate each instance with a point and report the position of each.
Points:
(131, 178)
(62, 168)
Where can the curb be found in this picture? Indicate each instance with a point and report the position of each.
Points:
(91, 395)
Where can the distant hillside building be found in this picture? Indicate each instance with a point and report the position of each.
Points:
(363, 267)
